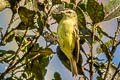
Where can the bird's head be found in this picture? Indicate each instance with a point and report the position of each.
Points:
(69, 13)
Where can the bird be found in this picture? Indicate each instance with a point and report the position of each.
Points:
(68, 38)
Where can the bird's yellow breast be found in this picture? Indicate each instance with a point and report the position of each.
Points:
(66, 36)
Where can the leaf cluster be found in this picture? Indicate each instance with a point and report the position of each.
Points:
(33, 58)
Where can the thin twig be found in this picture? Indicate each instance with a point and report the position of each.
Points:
(91, 51)
(20, 60)
(11, 21)
(81, 48)
(6, 35)
(118, 43)
(117, 70)
(115, 39)
(9, 25)
(113, 49)
(109, 59)
(107, 70)
(33, 58)
(7, 31)
(11, 68)
(109, 53)
(19, 48)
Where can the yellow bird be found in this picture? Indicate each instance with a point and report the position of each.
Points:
(68, 37)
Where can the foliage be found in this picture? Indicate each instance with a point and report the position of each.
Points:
(95, 11)
(112, 9)
(31, 58)
(57, 76)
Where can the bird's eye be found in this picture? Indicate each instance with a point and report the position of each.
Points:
(69, 12)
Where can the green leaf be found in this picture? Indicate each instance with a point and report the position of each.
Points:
(102, 32)
(102, 67)
(8, 38)
(36, 50)
(24, 75)
(109, 44)
(112, 9)
(44, 61)
(41, 6)
(41, 23)
(2, 52)
(81, 18)
(95, 11)
(82, 5)
(4, 4)
(22, 26)
(73, 1)
(54, 2)
(99, 78)
(1, 29)
(69, 5)
(36, 47)
(33, 52)
(57, 17)
(31, 78)
(99, 31)
(57, 76)
(106, 51)
(6, 56)
(46, 51)
(11, 52)
(105, 48)
(34, 70)
(19, 39)
(9, 78)
(13, 4)
(11, 37)
(37, 67)
(26, 15)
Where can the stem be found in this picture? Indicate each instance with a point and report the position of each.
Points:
(20, 60)
(115, 44)
(19, 48)
(91, 50)
(115, 39)
(7, 31)
(107, 70)
(117, 70)
(11, 21)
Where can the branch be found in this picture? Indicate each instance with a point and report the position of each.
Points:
(91, 51)
(33, 58)
(115, 44)
(115, 38)
(6, 35)
(85, 53)
(20, 60)
(11, 21)
(7, 31)
(19, 48)
(107, 70)
(117, 70)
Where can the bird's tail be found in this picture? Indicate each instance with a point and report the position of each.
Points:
(74, 67)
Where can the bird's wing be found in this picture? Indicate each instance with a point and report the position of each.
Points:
(77, 44)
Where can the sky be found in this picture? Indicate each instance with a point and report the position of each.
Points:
(55, 64)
